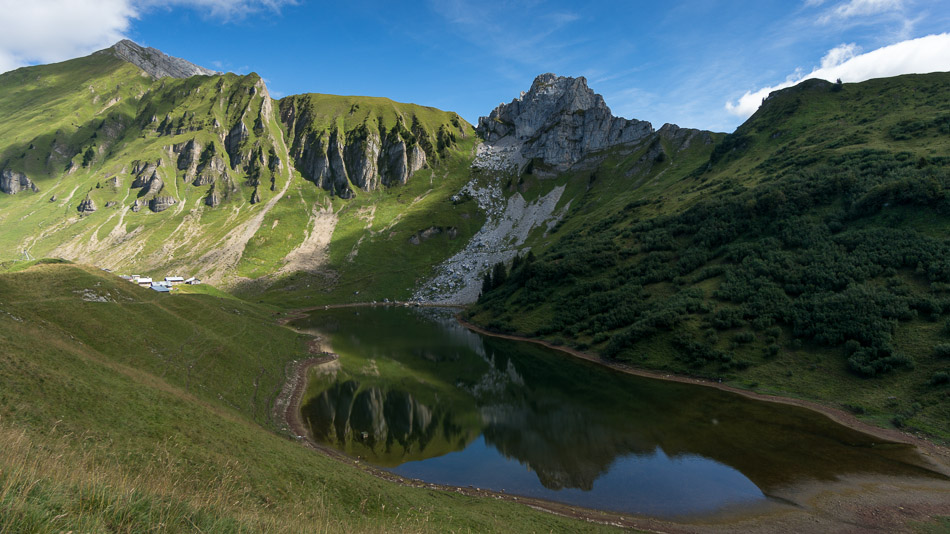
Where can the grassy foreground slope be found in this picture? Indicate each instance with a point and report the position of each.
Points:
(125, 410)
(806, 256)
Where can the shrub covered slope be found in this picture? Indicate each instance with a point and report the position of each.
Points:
(809, 255)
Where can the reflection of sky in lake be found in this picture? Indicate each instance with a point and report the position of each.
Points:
(652, 484)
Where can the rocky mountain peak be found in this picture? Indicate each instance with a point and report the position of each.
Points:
(560, 120)
(155, 62)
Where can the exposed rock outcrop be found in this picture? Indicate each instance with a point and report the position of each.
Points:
(143, 172)
(361, 158)
(86, 206)
(12, 182)
(210, 167)
(220, 191)
(375, 153)
(189, 154)
(683, 138)
(360, 155)
(155, 62)
(558, 121)
(232, 144)
(432, 231)
(213, 199)
(320, 159)
(161, 203)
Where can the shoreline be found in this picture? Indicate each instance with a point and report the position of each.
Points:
(939, 454)
(301, 313)
(287, 411)
(936, 453)
(850, 502)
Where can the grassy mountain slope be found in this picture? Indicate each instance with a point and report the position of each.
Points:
(119, 140)
(126, 410)
(195, 176)
(370, 256)
(805, 256)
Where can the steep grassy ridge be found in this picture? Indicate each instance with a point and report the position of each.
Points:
(150, 412)
(805, 256)
(128, 168)
(197, 176)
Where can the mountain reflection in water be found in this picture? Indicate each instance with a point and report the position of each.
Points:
(421, 395)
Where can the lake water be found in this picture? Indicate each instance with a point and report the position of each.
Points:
(417, 394)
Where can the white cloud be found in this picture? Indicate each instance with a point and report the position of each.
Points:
(45, 31)
(922, 55)
(839, 55)
(54, 30)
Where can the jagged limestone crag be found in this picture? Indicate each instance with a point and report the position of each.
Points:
(188, 156)
(379, 147)
(558, 121)
(210, 168)
(12, 182)
(155, 62)
(560, 124)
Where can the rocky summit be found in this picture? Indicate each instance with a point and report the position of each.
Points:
(558, 122)
(156, 63)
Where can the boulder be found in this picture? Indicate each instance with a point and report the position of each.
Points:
(161, 203)
(87, 205)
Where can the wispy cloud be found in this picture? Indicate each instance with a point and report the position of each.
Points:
(221, 10)
(861, 8)
(521, 31)
(922, 55)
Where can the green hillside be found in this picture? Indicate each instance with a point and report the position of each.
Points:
(125, 410)
(196, 176)
(806, 255)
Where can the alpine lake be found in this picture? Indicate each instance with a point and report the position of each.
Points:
(417, 394)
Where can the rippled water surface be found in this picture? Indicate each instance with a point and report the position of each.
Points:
(416, 393)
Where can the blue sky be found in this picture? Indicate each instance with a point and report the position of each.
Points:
(688, 62)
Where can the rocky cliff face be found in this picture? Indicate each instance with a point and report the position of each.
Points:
(558, 121)
(386, 147)
(12, 182)
(155, 62)
(363, 158)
